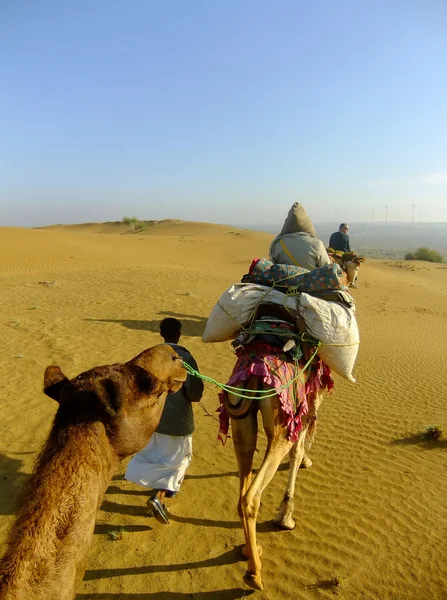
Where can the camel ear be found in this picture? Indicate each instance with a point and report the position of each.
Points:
(53, 382)
(144, 380)
(109, 394)
(112, 393)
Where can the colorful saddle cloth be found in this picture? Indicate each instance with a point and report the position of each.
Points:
(278, 371)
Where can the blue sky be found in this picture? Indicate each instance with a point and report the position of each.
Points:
(224, 111)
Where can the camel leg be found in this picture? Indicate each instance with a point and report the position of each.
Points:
(284, 518)
(245, 434)
(276, 450)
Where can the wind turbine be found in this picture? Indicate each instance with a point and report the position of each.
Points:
(412, 216)
(386, 214)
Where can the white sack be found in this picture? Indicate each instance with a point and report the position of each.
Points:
(236, 306)
(336, 327)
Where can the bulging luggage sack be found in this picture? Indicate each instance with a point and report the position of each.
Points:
(336, 327)
(237, 305)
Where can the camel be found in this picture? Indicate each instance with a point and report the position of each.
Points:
(104, 415)
(351, 269)
(286, 433)
(349, 262)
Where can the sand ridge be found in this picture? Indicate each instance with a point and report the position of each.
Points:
(371, 511)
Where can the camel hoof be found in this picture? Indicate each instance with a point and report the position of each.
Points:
(306, 463)
(246, 554)
(253, 581)
(288, 524)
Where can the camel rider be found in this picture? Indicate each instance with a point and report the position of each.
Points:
(340, 239)
(297, 244)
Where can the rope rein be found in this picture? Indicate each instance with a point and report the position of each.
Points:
(237, 391)
(292, 292)
(207, 413)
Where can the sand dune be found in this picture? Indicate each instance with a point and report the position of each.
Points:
(371, 511)
(170, 227)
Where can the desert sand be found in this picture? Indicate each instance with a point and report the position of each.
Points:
(371, 511)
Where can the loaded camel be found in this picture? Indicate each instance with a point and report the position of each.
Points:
(286, 427)
(104, 415)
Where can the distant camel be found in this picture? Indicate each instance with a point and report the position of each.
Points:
(351, 269)
(104, 415)
(349, 262)
(243, 414)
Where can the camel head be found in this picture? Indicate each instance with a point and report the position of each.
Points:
(352, 270)
(127, 398)
(163, 363)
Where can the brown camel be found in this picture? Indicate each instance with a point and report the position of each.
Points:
(350, 265)
(104, 415)
(352, 271)
(243, 415)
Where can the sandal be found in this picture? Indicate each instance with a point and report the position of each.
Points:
(159, 510)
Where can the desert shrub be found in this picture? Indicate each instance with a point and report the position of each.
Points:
(425, 254)
(141, 226)
(135, 225)
(116, 534)
(433, 432)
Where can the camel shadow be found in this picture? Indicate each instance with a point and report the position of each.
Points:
(117, 490)
(227, 558)
(169, 313)
(212, 475)
(265, 527)
(282, 467)
(234, 594)
(114, 489)
(418, 440)
(12, 480)
(192, 325)
(141, 511)
(124, 509)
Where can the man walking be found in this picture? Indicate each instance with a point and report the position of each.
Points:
(162, 464)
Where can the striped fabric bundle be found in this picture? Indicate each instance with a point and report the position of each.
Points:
(291, 279)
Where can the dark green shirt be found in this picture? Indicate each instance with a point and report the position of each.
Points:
(340, 241)
(178, 417)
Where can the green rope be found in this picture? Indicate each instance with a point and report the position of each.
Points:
(303, 337)
(237, 391)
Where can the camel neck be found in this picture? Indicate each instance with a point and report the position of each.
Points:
(57, 516)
